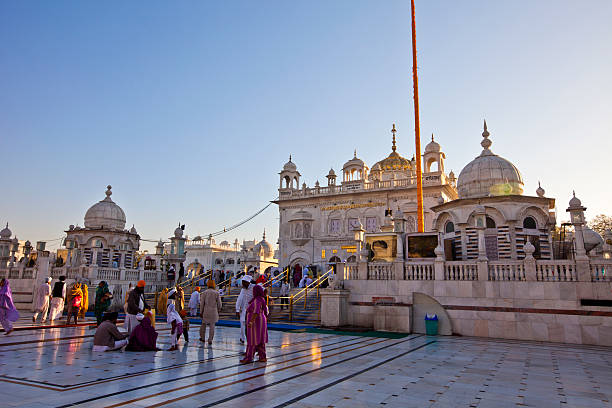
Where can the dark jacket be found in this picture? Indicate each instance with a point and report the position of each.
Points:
(133, 302)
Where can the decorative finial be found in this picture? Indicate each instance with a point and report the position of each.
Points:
(573, 192)
(393, 132)
(486, 143)
(108, 191)
(540, 191)
(264, 234)
(290, 158)
(355, 154)
(432, 137)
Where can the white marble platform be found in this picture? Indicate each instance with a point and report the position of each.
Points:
(56, 367)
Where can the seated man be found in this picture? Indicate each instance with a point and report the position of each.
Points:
(143, 337)
(107, 336)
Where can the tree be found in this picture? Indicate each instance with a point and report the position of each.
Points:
(600, 223)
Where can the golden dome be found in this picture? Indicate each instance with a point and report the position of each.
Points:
(394, 161)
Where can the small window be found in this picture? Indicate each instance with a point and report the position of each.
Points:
(529, 223)
(490, 222)
(449, 227)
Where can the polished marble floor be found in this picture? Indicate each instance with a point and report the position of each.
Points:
(55, 367)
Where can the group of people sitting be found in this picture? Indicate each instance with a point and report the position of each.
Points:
(108, 337)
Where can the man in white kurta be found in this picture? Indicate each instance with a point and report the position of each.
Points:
(41, 303)
(246, 294)
(194, 302)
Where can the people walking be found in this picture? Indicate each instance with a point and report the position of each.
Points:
(257, 326)
(58, 297)
(242, 303)
(42, 301)
(75, 299)
(102, 301)
(194, 302)
(210, 306)
(135, 304)
(107, 336)
(8, 311)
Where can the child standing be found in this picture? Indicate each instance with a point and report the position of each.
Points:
(183, 314)
(174, 319)
(74, 305)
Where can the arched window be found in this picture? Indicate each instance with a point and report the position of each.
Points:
(490, 223)
(530, 223)
(449, 227)
(218, 261)
(351, 259)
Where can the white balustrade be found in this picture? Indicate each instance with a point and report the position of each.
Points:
(601, 271)
(150, 276)
(28, 273)
(419, 271)
(132, 275)
(352, 271)
(556, 271)
(109, 274)
(380, 271)
(460, 271)
(13, 274)
(506, 271)
(57, 271)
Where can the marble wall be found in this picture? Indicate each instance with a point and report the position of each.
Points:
(544, 311)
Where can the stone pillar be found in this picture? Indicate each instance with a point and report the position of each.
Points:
(512, 234)
(398, 270)
(529, 262)
(362, 270)
(334, 307)
(439, 262)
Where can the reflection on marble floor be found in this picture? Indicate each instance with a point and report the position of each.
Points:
(56, 367)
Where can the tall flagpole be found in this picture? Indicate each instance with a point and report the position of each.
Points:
(417, 129)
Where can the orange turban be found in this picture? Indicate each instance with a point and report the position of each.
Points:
(197, 288)
(141, 284)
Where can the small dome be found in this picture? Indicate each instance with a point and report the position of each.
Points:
(290, 166)
(105, 214)
(331, 173)
(263, 248)
(432, 147)
(575, 202)
(591, 239)
(178, 232)
(489, 175)
(354, 162)
(15, 240)
(6, 232)
(133, 230)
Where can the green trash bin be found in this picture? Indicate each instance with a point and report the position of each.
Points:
(431, 324)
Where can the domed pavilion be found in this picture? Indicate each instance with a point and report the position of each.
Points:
(103, 241)
(492, 218)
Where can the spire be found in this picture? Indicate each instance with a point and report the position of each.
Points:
(393, 131)
(108, 192)
(355, 154)
(289, 158)
(432, 137)
(486, 143)
(264, 234)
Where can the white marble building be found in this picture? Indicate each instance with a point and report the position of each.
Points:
(316, 223)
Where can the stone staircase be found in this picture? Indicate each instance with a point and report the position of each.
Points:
(308, 313)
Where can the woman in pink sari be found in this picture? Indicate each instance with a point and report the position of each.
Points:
(8, 312)
(257, 326)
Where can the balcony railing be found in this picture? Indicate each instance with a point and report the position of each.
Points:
(556, 271)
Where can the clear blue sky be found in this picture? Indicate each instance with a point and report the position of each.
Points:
(190, 109)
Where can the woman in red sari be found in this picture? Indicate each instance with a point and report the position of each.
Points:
(257, 326)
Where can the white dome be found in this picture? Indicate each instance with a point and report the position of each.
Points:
(575, 202)
(591, 239)
(6, 232)
(290, 166)
(263, 247)
(178, 232)
(354, 162)
(133, 230)
(432, 146)
(489, 175)
(105, 214)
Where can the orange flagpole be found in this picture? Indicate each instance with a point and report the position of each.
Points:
(417, 129)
